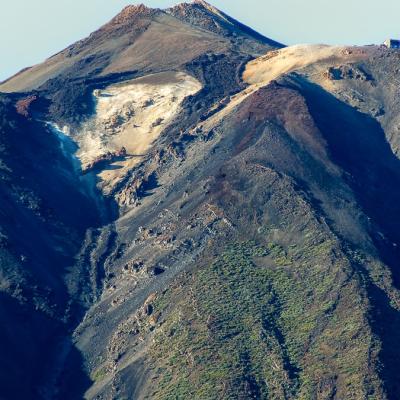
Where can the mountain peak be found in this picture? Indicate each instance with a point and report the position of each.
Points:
(207, 6)
(132, 11)
(199, 4)
(122, 45)
(203, 15)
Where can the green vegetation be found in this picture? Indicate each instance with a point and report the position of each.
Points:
(230, 346)
(99, 374)
(265, 322)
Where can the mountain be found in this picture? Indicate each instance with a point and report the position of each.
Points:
(191, 210)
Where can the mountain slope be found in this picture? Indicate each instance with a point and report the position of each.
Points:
(137, 42)
(55, 230)
(292, 295)
(194, 211)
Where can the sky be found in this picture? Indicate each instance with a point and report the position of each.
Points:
(31, 31)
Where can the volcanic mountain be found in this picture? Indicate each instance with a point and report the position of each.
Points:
(191, 210)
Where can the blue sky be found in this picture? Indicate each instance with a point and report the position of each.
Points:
(30, 31)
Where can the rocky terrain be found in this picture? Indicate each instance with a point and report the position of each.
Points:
(193, 211)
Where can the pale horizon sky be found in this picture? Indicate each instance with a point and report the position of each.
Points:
(31, 31)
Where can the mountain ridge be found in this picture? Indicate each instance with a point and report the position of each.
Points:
(141, 16)
(192, 211)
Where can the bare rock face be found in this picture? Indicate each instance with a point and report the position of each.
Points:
(101, 161)
(23, 106)
(130, 13)
(203, 15)
(346, 72)
(191, 210)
